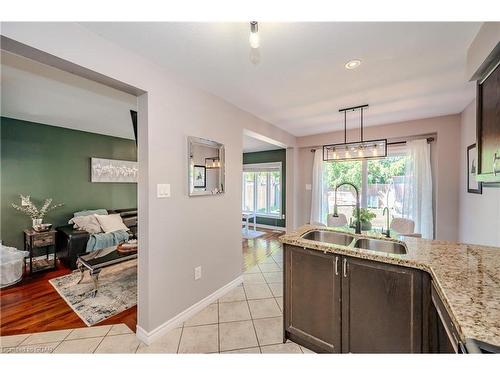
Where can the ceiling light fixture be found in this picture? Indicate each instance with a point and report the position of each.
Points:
(254, 35)
(372, 149)
(353, 64)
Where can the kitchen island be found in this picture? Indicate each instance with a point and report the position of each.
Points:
(339, 298)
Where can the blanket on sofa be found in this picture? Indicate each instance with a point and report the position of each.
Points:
(102, 240)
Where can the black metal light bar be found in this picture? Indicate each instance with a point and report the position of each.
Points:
(372, 149)
(353, 108)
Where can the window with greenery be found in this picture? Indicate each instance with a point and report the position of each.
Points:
(262, 189)
(380, 183)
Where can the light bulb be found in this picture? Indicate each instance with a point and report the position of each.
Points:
(254, 40)
(254, 36)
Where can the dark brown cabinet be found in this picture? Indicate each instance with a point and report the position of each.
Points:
(488, 127)
(312, 299)
(381, 308)
(443, 335)
(341, 304)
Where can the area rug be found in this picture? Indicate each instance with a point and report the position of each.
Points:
(248, 235)
(117, 292)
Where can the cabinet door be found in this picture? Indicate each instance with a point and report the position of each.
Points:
(381, 308)
(312, 299)
(444, 336)
(488, 126)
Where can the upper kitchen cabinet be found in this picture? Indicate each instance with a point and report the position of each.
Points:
(488, 125)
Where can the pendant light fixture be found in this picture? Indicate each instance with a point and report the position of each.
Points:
(212, 163)
(371, 149)
(254, 35)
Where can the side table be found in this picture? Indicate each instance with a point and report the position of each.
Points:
(36, 240)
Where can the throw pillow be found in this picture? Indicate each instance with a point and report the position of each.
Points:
(88, 223)
(111, 223)
(100, 211)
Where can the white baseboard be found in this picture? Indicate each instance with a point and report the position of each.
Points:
(176, 321)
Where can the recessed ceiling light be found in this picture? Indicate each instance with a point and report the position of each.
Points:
(353, 64)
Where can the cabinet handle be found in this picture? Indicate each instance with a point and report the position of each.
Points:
(345, 267)
(336, 266)
(495, 158)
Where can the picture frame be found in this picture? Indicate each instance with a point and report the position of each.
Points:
(113, 171)
(473, 186)
(199, 176)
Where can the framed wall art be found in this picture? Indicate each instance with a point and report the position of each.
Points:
(473, 186)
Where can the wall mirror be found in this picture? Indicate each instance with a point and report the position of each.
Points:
(206, 167)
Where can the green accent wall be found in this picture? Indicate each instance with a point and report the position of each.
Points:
(272, 156)
(51, 162)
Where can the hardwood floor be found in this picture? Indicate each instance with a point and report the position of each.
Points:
(259, 248)
(35, 306)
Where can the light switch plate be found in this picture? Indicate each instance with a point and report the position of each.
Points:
(308, 187)
(163, 190)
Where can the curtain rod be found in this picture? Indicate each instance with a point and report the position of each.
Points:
(429, 140)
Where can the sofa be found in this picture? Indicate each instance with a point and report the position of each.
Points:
(70, 242)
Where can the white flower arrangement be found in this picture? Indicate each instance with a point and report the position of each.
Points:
(33, 211)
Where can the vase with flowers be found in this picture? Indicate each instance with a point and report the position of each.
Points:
(36, 214)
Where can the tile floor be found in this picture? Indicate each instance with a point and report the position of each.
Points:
(248, 319)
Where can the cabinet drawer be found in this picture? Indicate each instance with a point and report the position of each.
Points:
(45, 240)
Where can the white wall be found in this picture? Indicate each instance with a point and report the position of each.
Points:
(42, 94)
(484, 42)
(179, 233)
(479, 221)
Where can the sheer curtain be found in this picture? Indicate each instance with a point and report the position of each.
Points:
(318, 199)
(417, 199)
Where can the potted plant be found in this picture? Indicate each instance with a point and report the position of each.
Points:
(365, 216)
(36, 214)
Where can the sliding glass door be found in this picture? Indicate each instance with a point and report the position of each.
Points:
(262, 189)
(380, 183)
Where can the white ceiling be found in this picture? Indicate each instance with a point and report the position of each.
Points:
(408, 70)
(39, 93)
(251, 144)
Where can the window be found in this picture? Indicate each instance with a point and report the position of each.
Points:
(248, 191)
(262, 189)
(380, 183)
(385, 187)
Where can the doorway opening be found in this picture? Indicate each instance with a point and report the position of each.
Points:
(70, 135)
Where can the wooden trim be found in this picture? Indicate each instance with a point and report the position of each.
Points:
(479, 122)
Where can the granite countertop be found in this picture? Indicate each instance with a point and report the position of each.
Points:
(466, 276)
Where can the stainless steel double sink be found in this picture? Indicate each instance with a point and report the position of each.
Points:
(345, 239)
